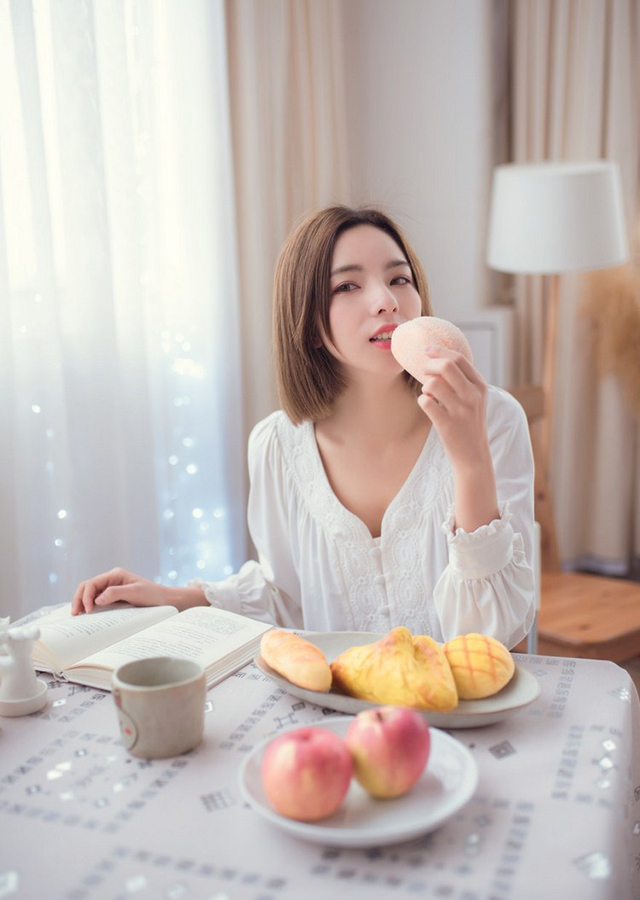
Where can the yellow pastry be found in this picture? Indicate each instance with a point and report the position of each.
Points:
(399, 670)
(481, 665)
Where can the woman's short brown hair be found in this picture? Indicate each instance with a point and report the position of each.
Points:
(309, 380)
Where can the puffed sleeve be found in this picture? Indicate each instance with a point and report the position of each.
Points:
(256, 590)
(488, 584)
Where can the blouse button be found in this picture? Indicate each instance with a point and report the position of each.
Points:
(384, 610)
(379, 579)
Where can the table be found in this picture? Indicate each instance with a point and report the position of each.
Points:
(556, 813)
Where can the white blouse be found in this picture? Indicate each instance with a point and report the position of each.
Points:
(320, 569)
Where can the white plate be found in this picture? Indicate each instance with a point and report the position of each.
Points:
(522, 690)
(448, 782)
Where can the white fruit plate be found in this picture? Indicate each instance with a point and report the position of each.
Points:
(522, 690)
(447, 783)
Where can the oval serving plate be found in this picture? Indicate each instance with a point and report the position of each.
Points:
(446, 785)
(522, 690)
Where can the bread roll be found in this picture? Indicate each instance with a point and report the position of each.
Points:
(296, 659)
(409, 340)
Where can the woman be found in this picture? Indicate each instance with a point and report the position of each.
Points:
(375, 500)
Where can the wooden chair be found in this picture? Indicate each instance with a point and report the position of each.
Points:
(579, 615)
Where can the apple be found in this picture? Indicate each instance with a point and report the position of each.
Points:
(389, 749)
(306, 773)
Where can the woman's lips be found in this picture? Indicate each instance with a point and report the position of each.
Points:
(382, 337)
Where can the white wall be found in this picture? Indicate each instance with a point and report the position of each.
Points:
(419, 104)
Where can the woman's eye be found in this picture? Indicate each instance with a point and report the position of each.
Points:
(401, 279)
(345, 288)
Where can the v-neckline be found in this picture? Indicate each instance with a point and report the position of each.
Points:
(346, 513)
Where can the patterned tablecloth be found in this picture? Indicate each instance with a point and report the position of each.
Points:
(556, 813)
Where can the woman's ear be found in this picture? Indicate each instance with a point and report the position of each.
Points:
(319, 338)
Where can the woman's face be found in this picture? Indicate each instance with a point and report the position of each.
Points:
(372, 292)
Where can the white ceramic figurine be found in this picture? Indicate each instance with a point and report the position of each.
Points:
(21, 693)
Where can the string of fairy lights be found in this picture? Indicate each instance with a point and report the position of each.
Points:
(196, 540)
(193, 536)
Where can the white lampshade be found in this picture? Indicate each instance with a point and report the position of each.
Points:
(556, 217)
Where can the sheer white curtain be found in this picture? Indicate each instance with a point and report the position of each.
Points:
(119, 347)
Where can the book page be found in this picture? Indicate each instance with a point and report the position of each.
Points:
(203, 633)
(66, 639)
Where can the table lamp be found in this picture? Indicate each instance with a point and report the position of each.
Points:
(553, 217)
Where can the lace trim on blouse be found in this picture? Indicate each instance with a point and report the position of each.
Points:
(401, 543)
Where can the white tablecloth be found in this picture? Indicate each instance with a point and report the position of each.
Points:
(556, 813)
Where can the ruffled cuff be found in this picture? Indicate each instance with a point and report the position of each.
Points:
(216, 595)
(483, 552)
(249, 593)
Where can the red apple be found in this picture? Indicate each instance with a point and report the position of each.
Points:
(306, 773)
(389, 749)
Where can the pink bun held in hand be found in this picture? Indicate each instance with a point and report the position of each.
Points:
(409, 340)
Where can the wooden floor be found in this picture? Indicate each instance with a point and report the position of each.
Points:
(589, 616)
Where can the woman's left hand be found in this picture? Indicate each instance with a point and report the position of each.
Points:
(454, 398)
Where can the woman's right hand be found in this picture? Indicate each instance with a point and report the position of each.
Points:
(118, 584)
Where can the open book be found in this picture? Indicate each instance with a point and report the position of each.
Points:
(87, 648)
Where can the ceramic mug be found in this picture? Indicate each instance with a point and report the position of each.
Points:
(160, 705)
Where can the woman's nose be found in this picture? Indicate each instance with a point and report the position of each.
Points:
(384, 300)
